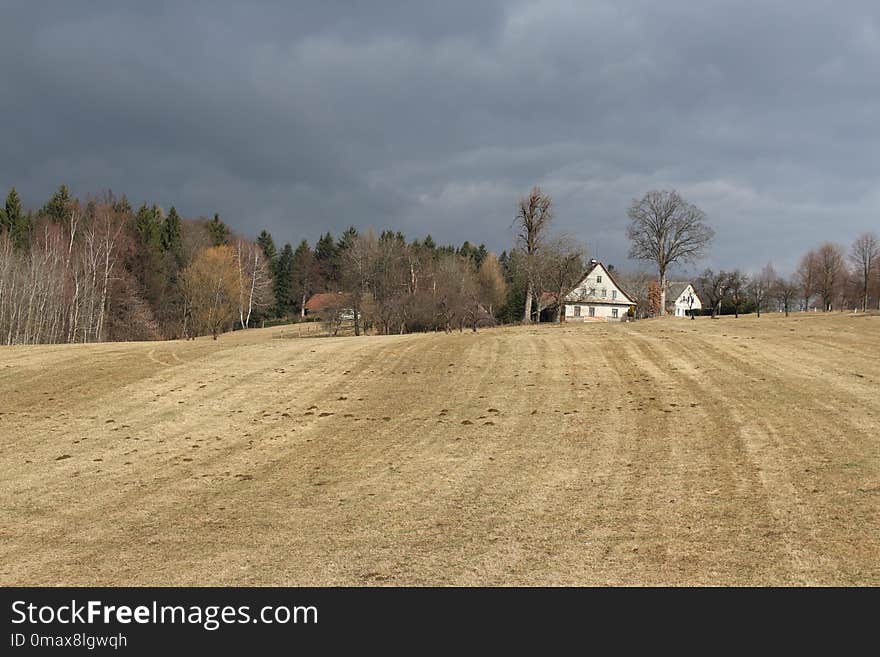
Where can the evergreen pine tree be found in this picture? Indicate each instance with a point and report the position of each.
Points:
(327, 261)
(16, 222)
(282, 282)
(479, 254)
(504, 261)
(346, 240)
(122, 205)
(266, 243)
(12, 214)
(56, 207)
(20, 231)
(148, 227)
(325, 248)
(172, 234)
(389, 236)
(91, 209)
(218, 231)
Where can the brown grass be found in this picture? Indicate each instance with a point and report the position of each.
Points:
(665, 452)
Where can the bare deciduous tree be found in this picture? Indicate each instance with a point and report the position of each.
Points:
(761, 286)
(335, 312)
(254, 281)
(865, 255)
(493, 288)
(807, 274)
(737, 286)
(533, 217)
(713, 287)
(58, 287)
(450, 293)
(390, 281)
(636, 284)
(210, 285)
(665, 229)
(357, 263)
(830, 271)
(561, 269)
(785, 290)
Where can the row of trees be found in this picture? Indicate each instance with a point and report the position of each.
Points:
(399, 287)
(77, 271)
(744, 293)
(57, 290)
(826, 278)
(85, 271)
(299, 273)
(829, 276)
(386, 284)
(664, 230)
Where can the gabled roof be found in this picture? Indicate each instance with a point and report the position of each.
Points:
(675, 289)
(589, 298)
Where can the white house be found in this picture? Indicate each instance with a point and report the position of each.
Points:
(597, 297)
(682, 297)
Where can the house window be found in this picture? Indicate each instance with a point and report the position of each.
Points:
(592, 291)
(592, 311)
(577, 311)
(598, 279)
(604, 292)
(613, 294)
(614, 312)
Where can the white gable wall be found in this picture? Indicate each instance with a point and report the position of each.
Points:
(596, 297)
(598, 286)
(681, 306)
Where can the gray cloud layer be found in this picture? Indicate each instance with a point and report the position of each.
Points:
(434, 118)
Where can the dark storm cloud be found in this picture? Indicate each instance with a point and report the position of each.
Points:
(434, 117)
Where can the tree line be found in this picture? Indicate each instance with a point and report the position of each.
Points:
(98, 269)
(665, 230)
(95, 270)
(828, 277)
(386, 284)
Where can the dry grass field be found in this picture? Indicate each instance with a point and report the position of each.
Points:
(663, 452)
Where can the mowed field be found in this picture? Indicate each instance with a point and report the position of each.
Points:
(662, 452)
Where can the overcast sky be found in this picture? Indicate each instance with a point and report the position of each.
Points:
(434, 117)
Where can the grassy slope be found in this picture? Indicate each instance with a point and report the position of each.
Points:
(665, 452)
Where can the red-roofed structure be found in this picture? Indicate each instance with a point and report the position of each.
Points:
(324, 303)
